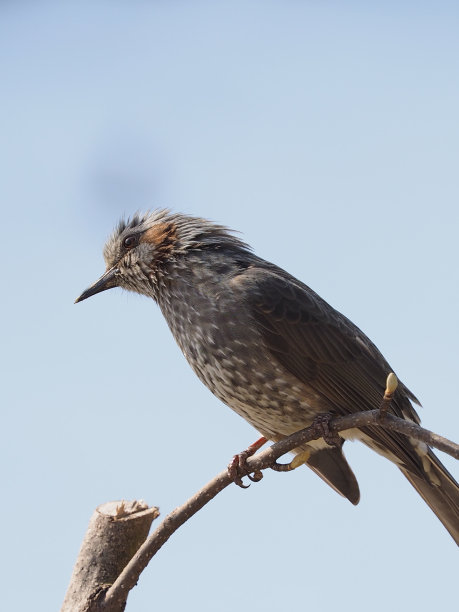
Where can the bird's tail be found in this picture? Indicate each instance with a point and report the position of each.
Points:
(439, 490)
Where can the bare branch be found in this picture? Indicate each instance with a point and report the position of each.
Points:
(130, 575)
(113, 553)
(115, 532)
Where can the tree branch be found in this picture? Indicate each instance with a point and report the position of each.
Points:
(128, 578)
(115, 552)
(115, 532)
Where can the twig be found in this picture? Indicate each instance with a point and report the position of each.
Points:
(130, 575)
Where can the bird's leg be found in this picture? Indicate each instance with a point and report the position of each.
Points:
(238, 466)
(321, 426)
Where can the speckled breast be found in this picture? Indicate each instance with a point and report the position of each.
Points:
(220, 340)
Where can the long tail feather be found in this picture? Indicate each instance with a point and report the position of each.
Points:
(440, 492)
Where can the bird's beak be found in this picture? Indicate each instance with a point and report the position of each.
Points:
(106, 281)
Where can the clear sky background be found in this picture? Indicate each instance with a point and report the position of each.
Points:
(327, 133)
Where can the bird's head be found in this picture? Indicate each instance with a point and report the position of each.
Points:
(140, 248)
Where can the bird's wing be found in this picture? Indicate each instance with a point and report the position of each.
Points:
(326, 352)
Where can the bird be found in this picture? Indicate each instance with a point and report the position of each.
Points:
(269, 347)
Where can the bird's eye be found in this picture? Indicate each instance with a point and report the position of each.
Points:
(130, 241)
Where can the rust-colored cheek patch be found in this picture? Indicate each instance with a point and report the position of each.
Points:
(162, 236)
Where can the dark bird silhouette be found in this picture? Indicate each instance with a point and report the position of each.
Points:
(269, 347)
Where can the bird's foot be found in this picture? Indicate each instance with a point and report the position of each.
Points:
(321, 425)
(298, 460)
(238, 466)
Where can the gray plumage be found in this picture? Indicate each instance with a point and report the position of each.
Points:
(268, 346)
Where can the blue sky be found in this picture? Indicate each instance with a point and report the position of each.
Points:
(326, 133)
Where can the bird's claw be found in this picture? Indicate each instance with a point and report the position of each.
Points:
(281, 467)
(321, 426)
(299, 459)
(234, 471)
(238, 466)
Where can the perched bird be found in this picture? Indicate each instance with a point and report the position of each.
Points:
(269, 347)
